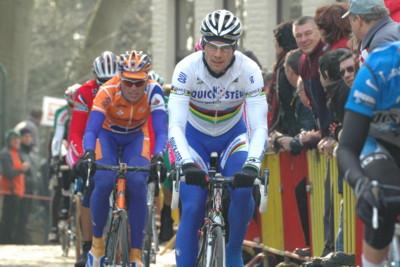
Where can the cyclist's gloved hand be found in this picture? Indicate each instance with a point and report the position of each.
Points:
(366, 200)
(156, 164)
(245, 178)
(194, 175)
(86, 161)
(249, 172)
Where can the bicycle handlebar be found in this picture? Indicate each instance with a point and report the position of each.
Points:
(121, 167)
(261, 181)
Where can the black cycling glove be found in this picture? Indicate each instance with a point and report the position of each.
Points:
(157, 165)
(83, 164)
(367, 200)
(246, 177)
(194, 175)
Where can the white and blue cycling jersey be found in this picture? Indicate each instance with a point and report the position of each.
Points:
(376, 93)
(214, 106)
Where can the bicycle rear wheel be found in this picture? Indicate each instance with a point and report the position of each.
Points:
(117, 245)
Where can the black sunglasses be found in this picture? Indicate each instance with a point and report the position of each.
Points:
(130, 83)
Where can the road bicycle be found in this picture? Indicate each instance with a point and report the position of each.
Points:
(117, 238)
(212, 233)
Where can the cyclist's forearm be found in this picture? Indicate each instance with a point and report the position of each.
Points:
(178, 109)
(56, 142)
(93, 127)
(77, 129)
(355, 131)
(257, 114)
(160, 126)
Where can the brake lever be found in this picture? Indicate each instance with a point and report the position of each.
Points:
(375, 193)
(88, 173)
(159, 170)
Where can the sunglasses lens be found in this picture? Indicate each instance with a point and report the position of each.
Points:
(137, 83)
(350, 69)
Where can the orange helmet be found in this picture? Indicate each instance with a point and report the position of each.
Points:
(135, 65)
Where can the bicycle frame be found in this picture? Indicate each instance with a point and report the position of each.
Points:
(213, 220)
(213, 229)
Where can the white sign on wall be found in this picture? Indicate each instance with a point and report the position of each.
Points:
(49, 108)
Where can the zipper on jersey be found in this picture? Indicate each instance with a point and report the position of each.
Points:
(130, 118)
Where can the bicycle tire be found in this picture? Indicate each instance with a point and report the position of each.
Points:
(149, 229)
(117, 245)
(64, 240)
(148, 239)
(78, 232)
(123, 237)
(111, 242)
(202, 255)
(217, 247)
(212, 250)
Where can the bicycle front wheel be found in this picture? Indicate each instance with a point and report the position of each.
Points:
(117, 245)
(217, 248)
(148, 238)
(212, 248)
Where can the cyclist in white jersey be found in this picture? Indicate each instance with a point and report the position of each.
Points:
(211, 91)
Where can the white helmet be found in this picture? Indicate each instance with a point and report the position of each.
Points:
(222, 24)
(156, 77)
(105, 66)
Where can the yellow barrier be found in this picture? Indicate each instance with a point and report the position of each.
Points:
(320, 168)
(272, 224)
(349, 223)
(316, 172)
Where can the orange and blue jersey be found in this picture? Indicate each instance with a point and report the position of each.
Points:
(117, 115)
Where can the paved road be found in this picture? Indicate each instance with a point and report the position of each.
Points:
(50, 256)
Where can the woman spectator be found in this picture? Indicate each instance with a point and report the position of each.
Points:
(335, 31)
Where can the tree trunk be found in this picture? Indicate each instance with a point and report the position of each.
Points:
(15, 32)
(103, 28)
